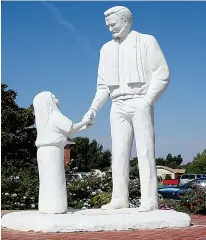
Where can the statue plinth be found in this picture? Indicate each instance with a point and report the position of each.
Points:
(95, 220)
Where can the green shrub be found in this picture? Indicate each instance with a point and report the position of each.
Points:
(81, 191)
(101, 199)
(168, 177)
(20, 190)
(134, 188)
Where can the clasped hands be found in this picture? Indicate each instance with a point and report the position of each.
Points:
(90, 115)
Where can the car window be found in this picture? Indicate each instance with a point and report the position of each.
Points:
(188, 176)
(199, 175)
(184, 177)
(191, 177)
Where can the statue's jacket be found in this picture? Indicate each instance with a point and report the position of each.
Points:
(135, 67)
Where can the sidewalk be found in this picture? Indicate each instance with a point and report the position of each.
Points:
(196, 232)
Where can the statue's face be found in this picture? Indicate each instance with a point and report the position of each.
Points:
(117, 26)
(56, 100)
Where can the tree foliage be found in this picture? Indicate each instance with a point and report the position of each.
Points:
(18, 156)
(198, 165)
(89, 155)
(134, 169)
(170, 161)
(17, 133)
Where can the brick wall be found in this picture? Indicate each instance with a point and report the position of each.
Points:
(67, 150)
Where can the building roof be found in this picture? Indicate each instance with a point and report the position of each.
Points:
(180, 170)
(171, 169)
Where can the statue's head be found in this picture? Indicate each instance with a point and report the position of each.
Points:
(119, 20)
(44, 104)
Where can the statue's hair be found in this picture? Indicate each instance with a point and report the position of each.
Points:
(121, 11)
(44, 105)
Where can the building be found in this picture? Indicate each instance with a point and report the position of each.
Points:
(162, 171)
(67, 152)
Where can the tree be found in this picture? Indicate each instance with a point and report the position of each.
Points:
(170, 161)
(134, 169)
(89, 155)
(94, 155)
(79, 153)
(169, 158)
(179, 159)
(18, 159)
(198, 165)
(160, 161)
(106, 159)
(18, 133)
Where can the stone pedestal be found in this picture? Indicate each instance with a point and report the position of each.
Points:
(95, 220)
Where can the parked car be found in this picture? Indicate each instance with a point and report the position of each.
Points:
(172, 192)
(78, 175)
(185, 178)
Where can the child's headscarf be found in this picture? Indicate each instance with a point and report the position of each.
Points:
(44, 104)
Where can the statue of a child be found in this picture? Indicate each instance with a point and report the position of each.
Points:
(53, 128)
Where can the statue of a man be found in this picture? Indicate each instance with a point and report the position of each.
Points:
(134, 72)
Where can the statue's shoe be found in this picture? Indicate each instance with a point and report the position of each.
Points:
(115, 205)
(147, 208)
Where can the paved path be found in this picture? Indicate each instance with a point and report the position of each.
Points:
(195, 232)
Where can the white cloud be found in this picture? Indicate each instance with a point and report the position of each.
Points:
(82, 40)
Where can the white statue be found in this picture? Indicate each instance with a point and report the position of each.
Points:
(53, 128)
(134, 72)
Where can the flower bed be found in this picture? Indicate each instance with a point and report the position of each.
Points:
(20, 192)
(193, 201)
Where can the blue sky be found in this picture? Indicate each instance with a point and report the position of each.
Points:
(55, 46)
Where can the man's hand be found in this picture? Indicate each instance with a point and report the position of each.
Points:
(91, 114)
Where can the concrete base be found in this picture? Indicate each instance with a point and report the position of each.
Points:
(95, 220)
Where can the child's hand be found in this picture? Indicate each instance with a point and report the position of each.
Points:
(84, 124)
(87, 122)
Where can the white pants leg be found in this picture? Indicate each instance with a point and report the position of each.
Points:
(122, 138)
(129, 117)
(143, 123)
